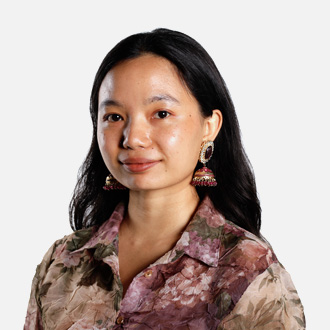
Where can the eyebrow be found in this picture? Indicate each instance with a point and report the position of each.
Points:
(109, 102)
(156, 98)
(161, 97)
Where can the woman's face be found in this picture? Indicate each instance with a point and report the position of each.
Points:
(150, 128)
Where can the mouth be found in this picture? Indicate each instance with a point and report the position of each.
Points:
(137, 165)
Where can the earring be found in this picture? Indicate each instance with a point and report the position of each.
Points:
(204, 176)
(112, 184)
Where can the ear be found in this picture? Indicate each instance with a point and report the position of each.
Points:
(212, 125)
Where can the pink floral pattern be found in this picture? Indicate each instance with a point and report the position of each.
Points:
(218, 276)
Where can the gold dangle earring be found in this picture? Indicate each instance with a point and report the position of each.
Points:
(112, 184)
(204, 176)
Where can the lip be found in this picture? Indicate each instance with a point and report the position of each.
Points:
(136, 165)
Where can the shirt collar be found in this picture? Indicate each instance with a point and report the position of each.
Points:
(106, 234)
(205, 237)
(202, 238)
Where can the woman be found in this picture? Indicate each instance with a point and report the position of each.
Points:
(166, 243)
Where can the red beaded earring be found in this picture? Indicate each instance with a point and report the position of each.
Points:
(112, 184)
(204, 176)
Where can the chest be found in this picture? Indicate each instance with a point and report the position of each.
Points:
(182, 292)
(134, 258)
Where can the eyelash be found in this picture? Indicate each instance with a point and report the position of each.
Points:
(162, 111)
(110, 117)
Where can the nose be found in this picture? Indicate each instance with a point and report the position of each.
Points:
(136, 134)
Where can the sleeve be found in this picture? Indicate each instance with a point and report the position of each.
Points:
(270, 302)
(33, 320)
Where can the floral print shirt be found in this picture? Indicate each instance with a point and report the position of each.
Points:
(218, 276)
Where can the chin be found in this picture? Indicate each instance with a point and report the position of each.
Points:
(143, 184)
(144, 187)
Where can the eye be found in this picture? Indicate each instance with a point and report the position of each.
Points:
(112, 117)
(162, 114)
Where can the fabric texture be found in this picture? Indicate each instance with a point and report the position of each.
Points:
(218, 276)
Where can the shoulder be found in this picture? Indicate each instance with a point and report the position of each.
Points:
(60, 250)
(259, 289)
(243, 256)
(270, 302)
(68, 251)
(244, 250)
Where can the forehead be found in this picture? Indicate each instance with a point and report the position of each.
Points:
(147, 72)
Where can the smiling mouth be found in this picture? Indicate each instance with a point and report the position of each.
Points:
(137, 166)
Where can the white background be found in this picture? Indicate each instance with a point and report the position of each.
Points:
(274, 57)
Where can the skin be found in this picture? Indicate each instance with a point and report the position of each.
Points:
(150, 130)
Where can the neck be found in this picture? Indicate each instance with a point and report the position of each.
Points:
(154, 212)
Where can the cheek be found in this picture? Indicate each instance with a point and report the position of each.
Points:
(105, 145)
(179, 133)
(184, 143)
(173, 139)
(100, 139)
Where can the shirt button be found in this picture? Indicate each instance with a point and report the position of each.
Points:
(120, 319)
(148, 273)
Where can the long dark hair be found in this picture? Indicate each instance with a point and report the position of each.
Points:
(235, 195)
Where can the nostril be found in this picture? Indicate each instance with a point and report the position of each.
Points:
(136, 136)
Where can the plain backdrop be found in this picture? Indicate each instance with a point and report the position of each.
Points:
(274, 57)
